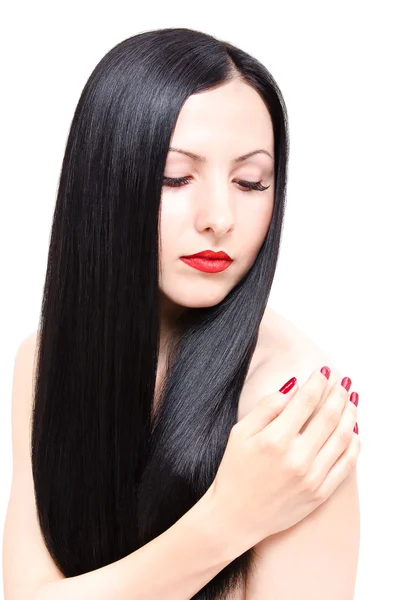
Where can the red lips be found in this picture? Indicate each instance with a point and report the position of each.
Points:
(210, 254)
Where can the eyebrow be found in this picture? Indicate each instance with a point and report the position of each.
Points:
(202, 159)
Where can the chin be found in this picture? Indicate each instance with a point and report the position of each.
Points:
(189, 298)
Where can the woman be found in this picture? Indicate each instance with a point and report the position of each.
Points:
(178, 147)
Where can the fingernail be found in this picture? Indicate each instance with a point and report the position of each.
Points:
(288, 386)
(354, 398)
(355, 428)
(326, 371)
(346, 383)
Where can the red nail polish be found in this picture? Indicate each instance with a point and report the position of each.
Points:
(354, 398)
(346, 383)
(355, 428)
(326, 371)
(288, 386)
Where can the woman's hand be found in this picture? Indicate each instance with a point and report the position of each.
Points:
(271, 475)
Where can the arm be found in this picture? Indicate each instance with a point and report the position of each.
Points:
(174, 566)
(318, 557)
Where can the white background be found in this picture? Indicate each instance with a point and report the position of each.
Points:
(336, 275)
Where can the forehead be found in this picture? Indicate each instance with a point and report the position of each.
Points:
(232, 117)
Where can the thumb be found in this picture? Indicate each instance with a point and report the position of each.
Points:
(267, 408)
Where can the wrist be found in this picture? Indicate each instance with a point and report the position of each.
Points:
(213, 519)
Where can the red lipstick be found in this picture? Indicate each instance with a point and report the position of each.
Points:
(208, 261)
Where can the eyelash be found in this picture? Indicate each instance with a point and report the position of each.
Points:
(249, 185)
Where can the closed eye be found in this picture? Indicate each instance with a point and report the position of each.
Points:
(248, 185)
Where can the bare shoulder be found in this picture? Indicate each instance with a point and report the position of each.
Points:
(291, 348)
(282, 332)
(284, 351)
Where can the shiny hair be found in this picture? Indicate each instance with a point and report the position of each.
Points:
(110, 474)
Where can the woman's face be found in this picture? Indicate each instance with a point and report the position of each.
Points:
(213, 211)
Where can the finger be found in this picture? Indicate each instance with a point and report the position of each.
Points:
(341, 469)
(264, 411)
(289, 423)
(334, 446)
(325, 421)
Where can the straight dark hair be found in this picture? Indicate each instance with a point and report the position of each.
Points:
(110, 474)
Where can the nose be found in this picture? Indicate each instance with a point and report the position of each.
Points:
(216, 215)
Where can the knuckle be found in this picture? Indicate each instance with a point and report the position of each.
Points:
(311, 484)
(332, 414)
(351, 460)
(345, 435)
(274, 442)
(319, 495)
(297, 467)
(350, 457)
(236, 430)
(310, 397)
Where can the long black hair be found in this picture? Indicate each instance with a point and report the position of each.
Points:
(109, 473)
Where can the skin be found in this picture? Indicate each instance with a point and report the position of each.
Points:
(213, 211)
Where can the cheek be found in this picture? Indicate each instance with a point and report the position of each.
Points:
(254, 223)
(171, 227)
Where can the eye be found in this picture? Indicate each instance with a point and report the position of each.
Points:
(175, 181)
(248, 185)
(253, 185)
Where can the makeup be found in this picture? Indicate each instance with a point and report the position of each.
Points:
(208, 265)
(208, 261)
